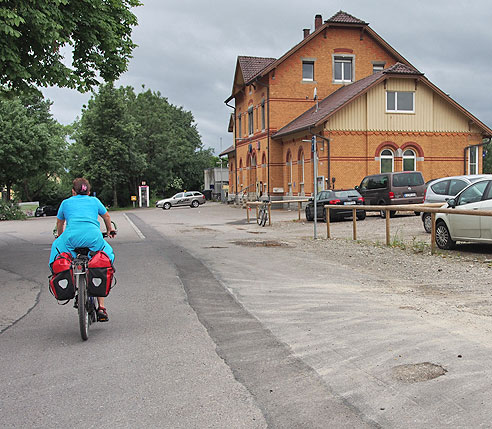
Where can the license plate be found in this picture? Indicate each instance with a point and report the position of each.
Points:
(348, 203)
(411, 194)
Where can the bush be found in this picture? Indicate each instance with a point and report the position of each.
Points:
(10, 211)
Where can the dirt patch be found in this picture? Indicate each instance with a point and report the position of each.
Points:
(256, 232)
(264, 243)
(417, 372)
(202, 228)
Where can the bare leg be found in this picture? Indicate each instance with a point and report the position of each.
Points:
(100, 301)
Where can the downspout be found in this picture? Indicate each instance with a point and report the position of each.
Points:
(472, 146)
(268, 132)
(235, 153)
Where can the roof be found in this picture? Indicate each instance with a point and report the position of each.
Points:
(346, 94)
(345, 18)
(227, 151)
(341, 18)
(251, 66)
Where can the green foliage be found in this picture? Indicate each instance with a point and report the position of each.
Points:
(105, 149)
(31, 142)
(487, 159)
(35, 36)
(123, 139)
(10, 211)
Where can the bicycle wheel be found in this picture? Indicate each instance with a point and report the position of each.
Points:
(264, 217)
(82, 306)
(260, 214)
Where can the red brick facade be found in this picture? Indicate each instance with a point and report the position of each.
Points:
(279, 94)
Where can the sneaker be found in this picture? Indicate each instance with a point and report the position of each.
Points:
(76, 302)
(102, 315)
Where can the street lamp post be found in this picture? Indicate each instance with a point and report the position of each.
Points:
(315, 174)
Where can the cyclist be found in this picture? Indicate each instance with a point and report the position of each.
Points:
(80, 213)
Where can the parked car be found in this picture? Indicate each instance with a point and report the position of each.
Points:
(46, 211)
(347, 198)
(451, 228)
(441, 190)
(404, 187)
(191, 198)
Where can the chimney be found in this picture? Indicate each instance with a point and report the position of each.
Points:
(306, 32)
(318, 21)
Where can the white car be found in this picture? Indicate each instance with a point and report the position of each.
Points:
(451, 228)
(192, 199)
(441, 190)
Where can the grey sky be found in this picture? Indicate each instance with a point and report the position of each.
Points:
(188, 49)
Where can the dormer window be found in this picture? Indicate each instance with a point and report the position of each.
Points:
(400, 102)
(377, 66)
(343, 69)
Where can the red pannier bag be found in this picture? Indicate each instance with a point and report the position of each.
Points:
(100, 274)
(62, 284)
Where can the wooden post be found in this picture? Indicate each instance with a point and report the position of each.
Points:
(354, 223)
(269, 214)
(247, 211)
(433, 233)
(299, 206)
(387, 227)
(328, 223)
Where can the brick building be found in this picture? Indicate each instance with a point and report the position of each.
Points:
(370, 110)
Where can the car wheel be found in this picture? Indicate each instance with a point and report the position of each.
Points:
(324, 215)
(166, 206)
(443, 237)
(195, 204)
(427, 221)
(309, 217)
(361, 215)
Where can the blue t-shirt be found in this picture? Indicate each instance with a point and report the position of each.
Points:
(81, 208)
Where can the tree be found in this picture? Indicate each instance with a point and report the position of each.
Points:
(172, 145)
(35, 35)
(29, 140)
(105, 150)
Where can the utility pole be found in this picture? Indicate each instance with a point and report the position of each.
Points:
(315, 174)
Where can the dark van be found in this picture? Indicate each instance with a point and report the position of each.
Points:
(405, 187)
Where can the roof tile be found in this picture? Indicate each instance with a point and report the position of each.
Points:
(345, 18)
(252, 66)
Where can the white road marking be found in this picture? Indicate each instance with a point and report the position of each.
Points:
(139, 233)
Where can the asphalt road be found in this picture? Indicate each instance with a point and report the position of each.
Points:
(215, 323)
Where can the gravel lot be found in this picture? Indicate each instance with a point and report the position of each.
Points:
(453, 281)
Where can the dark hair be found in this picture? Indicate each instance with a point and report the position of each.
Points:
(81, 186)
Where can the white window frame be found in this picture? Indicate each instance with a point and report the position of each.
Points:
(307, 79)
(392, 157)
(473, 166)
(343, 59)
(377, 66)
(396, 102)
(413, 157)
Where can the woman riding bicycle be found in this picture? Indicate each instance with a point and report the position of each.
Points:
(80, 212)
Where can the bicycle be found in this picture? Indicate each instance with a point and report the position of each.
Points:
(86, 304)
(262, 214)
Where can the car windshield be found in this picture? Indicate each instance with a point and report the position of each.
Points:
(352, 193)
(407, 179)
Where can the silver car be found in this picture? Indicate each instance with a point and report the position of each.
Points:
(451, 228)
(441, 190)
(191, 198)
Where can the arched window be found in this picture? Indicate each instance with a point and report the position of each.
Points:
(409, 160)
(387, 161)
(263, 160)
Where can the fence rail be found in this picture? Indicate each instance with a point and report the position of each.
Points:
(422, 208)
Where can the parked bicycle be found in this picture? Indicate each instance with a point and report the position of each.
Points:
(263, 214)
